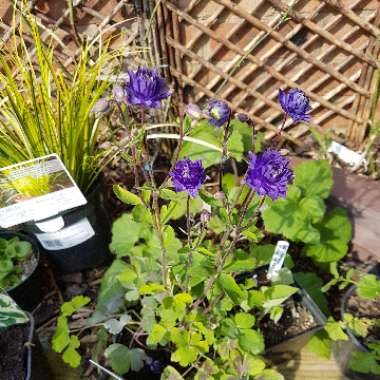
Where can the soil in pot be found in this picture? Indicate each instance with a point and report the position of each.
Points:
(295, 320)
(13, 352)
(365, 308)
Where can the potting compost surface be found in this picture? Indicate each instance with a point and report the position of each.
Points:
(295, 320)
(12, 358)
(365, 308)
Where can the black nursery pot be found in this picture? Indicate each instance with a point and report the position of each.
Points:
(81, 253)
(344, 350)
(33, 363)
(287, 348)
(28, 294)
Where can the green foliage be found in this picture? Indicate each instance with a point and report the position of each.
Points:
(367, 362)
(313, 285)
(239, 142)
(123, 359)
(47, 108)
(301, 217)
(369, 287)
(336, 232)
(13, 253)
(10, 313)
(62, 341)
(320, 344)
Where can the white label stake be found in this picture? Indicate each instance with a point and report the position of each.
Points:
(278, 258)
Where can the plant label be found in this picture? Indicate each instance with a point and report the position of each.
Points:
(36, 189)
(346, 155)
(278, 258)
(67, 237)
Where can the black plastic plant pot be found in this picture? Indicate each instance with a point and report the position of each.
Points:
(27, 358)
(285, 349)
(28, 294)
(83, 241)
(344, 350)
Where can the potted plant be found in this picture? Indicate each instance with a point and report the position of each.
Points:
(358, 351)
(20, 272)
(172, 299)
(21, 354)
(47, 109)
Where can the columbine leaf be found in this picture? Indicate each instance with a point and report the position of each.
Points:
(119, 358)
(320, 344)
(71, 355)
(184, 356)
(251, 341)
(314, 178)
(171, 373)
(285, 216)
(126, 196)
(244, 320)
(336, 232)
(369, 287)
(125, 233)
(70, 307)
(231, 288)
(335, 329)
(277, 294)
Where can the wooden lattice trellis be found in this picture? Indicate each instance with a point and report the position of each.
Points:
(71, 22)
(243, 51)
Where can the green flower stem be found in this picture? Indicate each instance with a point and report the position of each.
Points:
(236, 231)
(224, 152)
(190, 258)
(158, 229)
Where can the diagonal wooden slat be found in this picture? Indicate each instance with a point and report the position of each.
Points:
(291, 46)
(340, 7)
(255, 60)
(363, 56)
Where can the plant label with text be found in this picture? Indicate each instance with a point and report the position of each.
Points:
(36, 189)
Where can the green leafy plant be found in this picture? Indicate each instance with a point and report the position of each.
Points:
(367, 287)
(13, 253)
(62, 341)
(46, 108)
(302, 217)
(10, 313)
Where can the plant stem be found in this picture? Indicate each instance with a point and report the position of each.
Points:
(224, 152)
(190, 258)
(236, 232)
(158, 228)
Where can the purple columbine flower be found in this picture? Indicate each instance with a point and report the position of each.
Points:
(242, 117)
(188, 176)
(296, 104)
(146, 88)
(218, 112)
(268, 173)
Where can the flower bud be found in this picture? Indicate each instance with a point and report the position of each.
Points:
(205, 216)
(119, 93)
(193, 111)
(219, 195)
(242, 117)
(101, 106)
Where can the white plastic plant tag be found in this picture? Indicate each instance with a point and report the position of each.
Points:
(278, 258)
(67, 237)
(346, 155)
(36, 189)
(51, 225)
